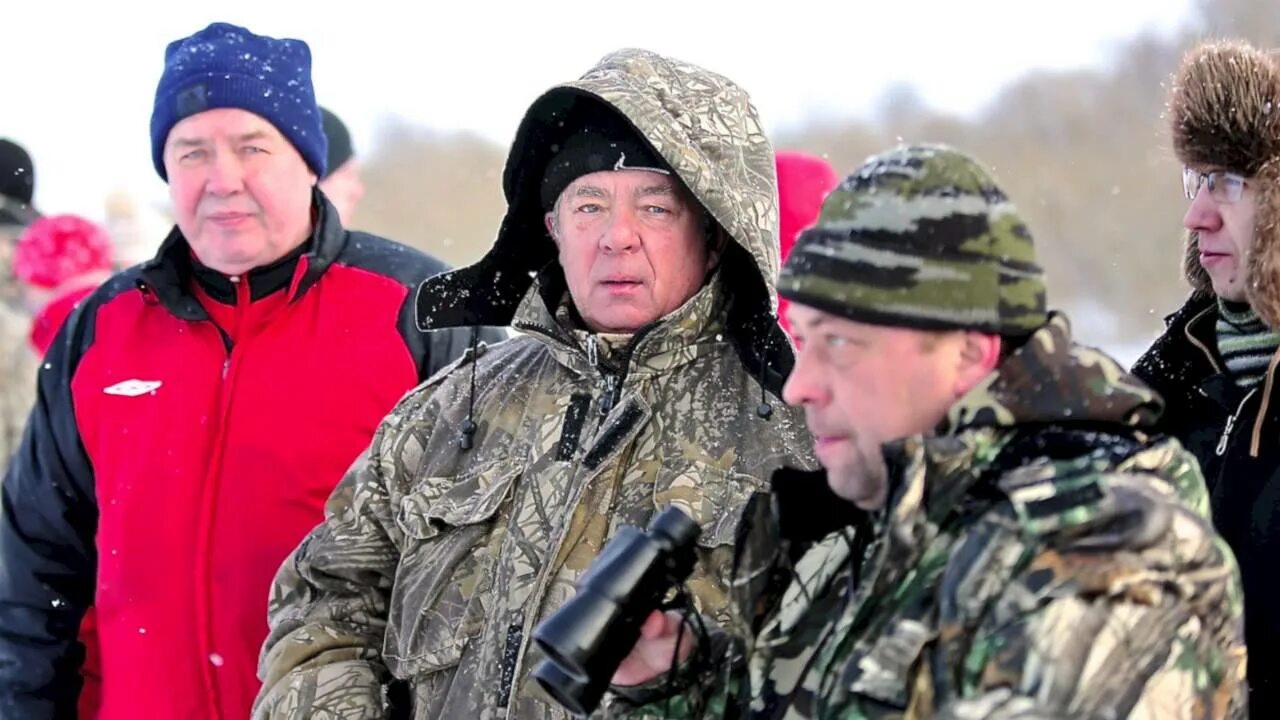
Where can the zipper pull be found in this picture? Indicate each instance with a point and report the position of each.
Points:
(593, 353)
(606, 402)
(226, 367)
(1231, 423)
(1226, 435)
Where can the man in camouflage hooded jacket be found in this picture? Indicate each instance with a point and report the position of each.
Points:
(489, 489)
(996, 535)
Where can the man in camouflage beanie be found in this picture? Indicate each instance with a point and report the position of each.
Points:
(994, 533)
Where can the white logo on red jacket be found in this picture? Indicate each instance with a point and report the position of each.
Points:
(133, 388)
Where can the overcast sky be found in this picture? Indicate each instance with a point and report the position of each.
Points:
(78, 78)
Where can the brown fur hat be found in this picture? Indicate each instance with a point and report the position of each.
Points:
(1224, 111)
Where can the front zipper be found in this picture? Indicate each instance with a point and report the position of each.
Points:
(608, 379)
(213, 489)
(607, 398)
(549, 333)
(1231, 424)
(611, 381)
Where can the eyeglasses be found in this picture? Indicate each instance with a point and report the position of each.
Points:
(1224, 187)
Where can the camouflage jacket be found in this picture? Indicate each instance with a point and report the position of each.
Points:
(18, 361)
(10, 288)
(17, 379)
(1039, 557)
(436, 563)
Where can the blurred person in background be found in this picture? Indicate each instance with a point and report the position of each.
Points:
(59, 260)
(803, 181)
(17, 192)
(17, 361)
(342, 185)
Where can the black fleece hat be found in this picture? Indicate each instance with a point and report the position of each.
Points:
(603, 144)
(17, 176)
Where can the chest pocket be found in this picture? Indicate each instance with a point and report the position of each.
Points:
(885, 672)
(711, 496)
(438, 602)
(715, 499)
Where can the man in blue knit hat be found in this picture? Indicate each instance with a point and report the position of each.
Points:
(196, 410)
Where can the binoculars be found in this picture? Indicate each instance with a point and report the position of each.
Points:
(588, 637)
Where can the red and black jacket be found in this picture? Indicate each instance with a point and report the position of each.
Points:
(187, 431)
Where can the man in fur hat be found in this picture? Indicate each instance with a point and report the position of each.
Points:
(1215, 365)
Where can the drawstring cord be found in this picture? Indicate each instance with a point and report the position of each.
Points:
(764, 409)
(465, 440)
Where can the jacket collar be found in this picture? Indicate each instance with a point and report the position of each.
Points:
(688, 333)
(1052, 380)
(168, 277)
(1183, 363)
(1192, 328)
(1184, 360)
(262, 281)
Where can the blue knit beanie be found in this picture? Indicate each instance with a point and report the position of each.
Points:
(226, 66)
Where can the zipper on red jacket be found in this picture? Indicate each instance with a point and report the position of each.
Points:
(209, 501)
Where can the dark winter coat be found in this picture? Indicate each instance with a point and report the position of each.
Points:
(1235, 434)
(1220, 114)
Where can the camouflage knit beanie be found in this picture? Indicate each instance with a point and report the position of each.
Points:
(920, 237)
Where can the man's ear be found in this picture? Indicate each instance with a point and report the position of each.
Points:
(979, 355)
(550, 221)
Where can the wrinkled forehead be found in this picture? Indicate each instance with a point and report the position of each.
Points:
(809, 320)
(220, 123)
(635, 183)
(806, 318)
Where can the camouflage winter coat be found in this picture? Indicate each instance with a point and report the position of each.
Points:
(1039, 557)
(17, 379)
(437, 562)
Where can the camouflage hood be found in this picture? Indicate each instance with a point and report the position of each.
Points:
(705, 128)
(1051, 380)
